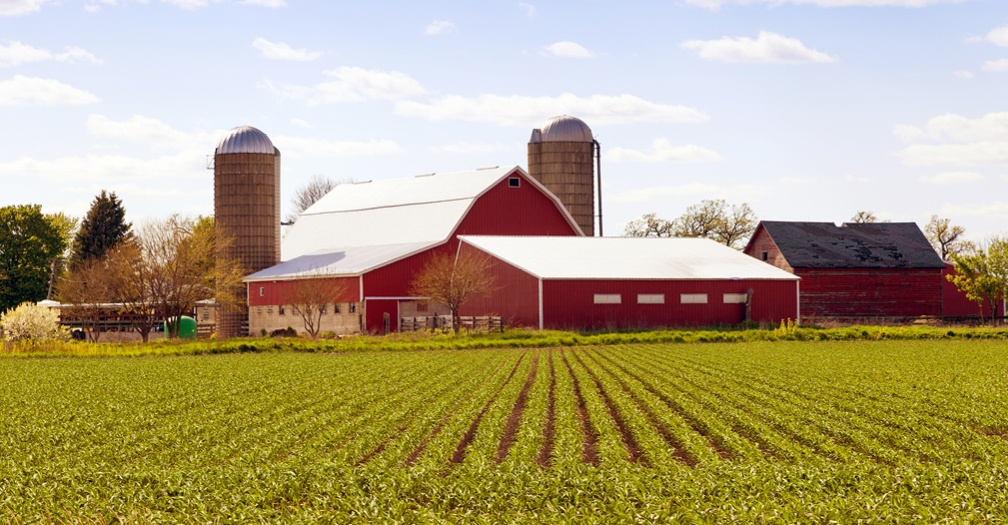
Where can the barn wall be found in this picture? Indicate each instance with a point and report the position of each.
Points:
(870, 292)
(514, 295)
(524, 210)
(955, 303)
(569, 304)
(761, 243)
(264, 293)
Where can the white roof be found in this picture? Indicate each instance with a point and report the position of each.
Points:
(342, 262)
(625, 258)
(421, 209)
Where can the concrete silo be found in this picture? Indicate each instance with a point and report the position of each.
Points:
(247, 209)
(560, 157)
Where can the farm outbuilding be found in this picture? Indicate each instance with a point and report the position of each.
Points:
(369, 239)
(614, 282)
(855, 271)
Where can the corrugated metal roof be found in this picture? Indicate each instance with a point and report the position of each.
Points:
(880, 245)
(245, 139)
(343, 262)
(425, 208)
(625, 258)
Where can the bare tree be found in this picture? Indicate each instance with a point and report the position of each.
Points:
(134, 276)
(946, 238)
(715, 219)
(453, 279)
(649, 225)
(863, 216)
(88, 288)
(309, 297)
(313, 190)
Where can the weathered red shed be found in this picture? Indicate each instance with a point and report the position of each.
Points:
(855, 270)
(373, 237)
(605, 283)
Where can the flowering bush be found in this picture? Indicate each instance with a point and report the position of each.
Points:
(32, 323)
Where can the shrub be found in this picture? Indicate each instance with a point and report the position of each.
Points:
(30, 322)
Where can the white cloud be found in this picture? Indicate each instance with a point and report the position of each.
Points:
(568, 49)
(33, 91)
(996, 66)
(151, 132)
(970, 155)
(272, 4)
(470, 147)
(95, 171)
(963, 74)
(954, 140)
(767, 48)
(353, 84)
(530, 10)
(19, 7)
(663, 151)
(282, 51)
(301, 123)
(716, 4)
(187, 4)
(296, 146)
(949, 178)
(439, 27)
(517, 110)
(15, 53)
(998, 36)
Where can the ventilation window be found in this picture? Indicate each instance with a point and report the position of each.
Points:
(336, 308)
(322, 309)
(693, 298)
(651, 298)
(514, 182)
(353, 307)
(735, 298)
(282, 310)
(765, 256)
(262, 291)
(608, 298)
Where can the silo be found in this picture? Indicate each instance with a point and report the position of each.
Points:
(560, 157)
(246, 209)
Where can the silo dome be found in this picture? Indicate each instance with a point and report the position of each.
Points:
(245, 139)
(564, 128)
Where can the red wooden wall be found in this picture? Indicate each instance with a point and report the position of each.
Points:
(955, 303)
(870, 292)
(280, 292)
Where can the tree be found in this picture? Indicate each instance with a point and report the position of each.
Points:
(32, 323)
(88, 288)
(983, 274)
(29, 243)
(649, 225)
(715, 219)
(946, 238)
(67, 228)
(133, 275)
(313, 190)
(454, 279)
(180, 258)
(309, 297)
(103, 228)
(862, 217)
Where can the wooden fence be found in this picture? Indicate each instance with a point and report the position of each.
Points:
(473, 323)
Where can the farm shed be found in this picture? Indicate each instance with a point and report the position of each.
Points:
(617, 282)
(855, 270)
(371, 238)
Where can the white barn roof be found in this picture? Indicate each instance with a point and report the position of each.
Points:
(424, 209)
(625, 258)
(339, 262)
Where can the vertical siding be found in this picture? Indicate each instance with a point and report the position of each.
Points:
(525, 210)
(956, 304)
(280, 292)
(514, 296)
(870, 293)
(569, 304)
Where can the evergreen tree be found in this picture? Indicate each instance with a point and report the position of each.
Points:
(102, 229)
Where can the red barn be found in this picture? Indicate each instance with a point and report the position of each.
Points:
(856, 270)
(957, 307)
(604, 283)
(372, 237)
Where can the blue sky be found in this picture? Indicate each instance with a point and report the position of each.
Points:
(804, 109)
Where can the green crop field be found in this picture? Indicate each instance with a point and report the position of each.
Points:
(876, 431)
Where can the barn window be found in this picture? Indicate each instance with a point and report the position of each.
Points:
(352, 307)
(514, 182)
(322, 309)
(650, 298)
(336, 308)
(608, 298)
(262, 291)
(693, 298)
(258, 310)
(282, 310)
(735, 298)
(421, 307)
(269, 310)
(765, 256)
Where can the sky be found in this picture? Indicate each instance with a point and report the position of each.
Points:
(806, 110)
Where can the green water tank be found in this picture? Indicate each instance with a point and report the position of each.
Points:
(187, 327)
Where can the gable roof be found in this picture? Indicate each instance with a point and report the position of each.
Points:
(625, 258)
(877, 245)
(425, 209)
(342, 262)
